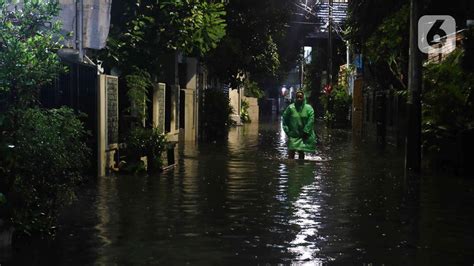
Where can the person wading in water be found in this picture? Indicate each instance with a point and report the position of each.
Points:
(298, 124)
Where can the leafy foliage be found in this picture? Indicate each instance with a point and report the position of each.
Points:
(138, 83)
(194, 25)
(244, 112)
(268, 62)
(42, 152)
(250, 46)
(448, 101)
(141, 32)
(251, 89)
(28, 41)
(365, 16)
(388, 45)
(144, 33)
(48, 157)
(216, 114)
(145, 142)
(336, 104)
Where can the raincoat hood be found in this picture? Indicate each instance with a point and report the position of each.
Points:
(300, 104)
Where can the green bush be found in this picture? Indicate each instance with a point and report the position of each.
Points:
(42, 152)
(137, 84)
(216, 114)
(244, 112)
(251, 89)
(28, 58)
(145, 142)
(448, 102)
(336, 105)
(46, 159)
(342, 104)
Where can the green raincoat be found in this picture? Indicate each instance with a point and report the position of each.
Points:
(299, 120)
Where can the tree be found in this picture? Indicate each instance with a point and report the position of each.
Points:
(38, 168)
(28, 41)
(382, 37)
(365, 16)
(448, 101)
(380, 33)
(145, 30)
(250, 48)
(387, 50)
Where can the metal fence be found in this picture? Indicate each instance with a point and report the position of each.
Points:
(77, 89)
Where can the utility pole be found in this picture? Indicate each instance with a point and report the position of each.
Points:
(348, 55)
(302, 72)
(413, 140)
(330, 42)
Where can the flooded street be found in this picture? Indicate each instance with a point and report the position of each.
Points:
(242, 203)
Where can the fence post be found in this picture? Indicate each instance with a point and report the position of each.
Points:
(101, 127)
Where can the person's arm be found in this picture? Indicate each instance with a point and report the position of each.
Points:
(309, 126)
(285, 117)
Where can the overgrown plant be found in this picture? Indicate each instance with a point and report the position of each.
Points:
(216, 114)
(28, 41)
(336, 103)
(137, 84)
(387, 49)
(143, 32)
(251, 89)
(244, 112)
(448, 101)
(381, 37)
(47, 161)
(194, 26)
(253, 43)
(143, 142)
(42, 152)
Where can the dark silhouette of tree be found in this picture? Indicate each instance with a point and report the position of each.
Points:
(251, 46)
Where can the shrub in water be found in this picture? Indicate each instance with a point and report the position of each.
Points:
(47, 157)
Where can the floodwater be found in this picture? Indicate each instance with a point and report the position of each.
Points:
(242, 203)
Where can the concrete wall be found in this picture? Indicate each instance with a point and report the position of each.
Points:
(235, 98)
(101, 127)
(173, 135)
(158, 103)
(190, 100)
(253, 108)
(172, 81)
(107, 124)
(190, 115)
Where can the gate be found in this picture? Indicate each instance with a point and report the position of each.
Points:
(77, 89)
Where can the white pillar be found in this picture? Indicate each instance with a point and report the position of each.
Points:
(190, 109)
(101, 127)
(348, 58)
(158, 102)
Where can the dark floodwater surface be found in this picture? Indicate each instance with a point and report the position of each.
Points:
(241, 203)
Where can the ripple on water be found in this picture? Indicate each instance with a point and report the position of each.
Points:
(243, 202)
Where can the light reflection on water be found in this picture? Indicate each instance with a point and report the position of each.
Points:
(242, 202)
(303, 188)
